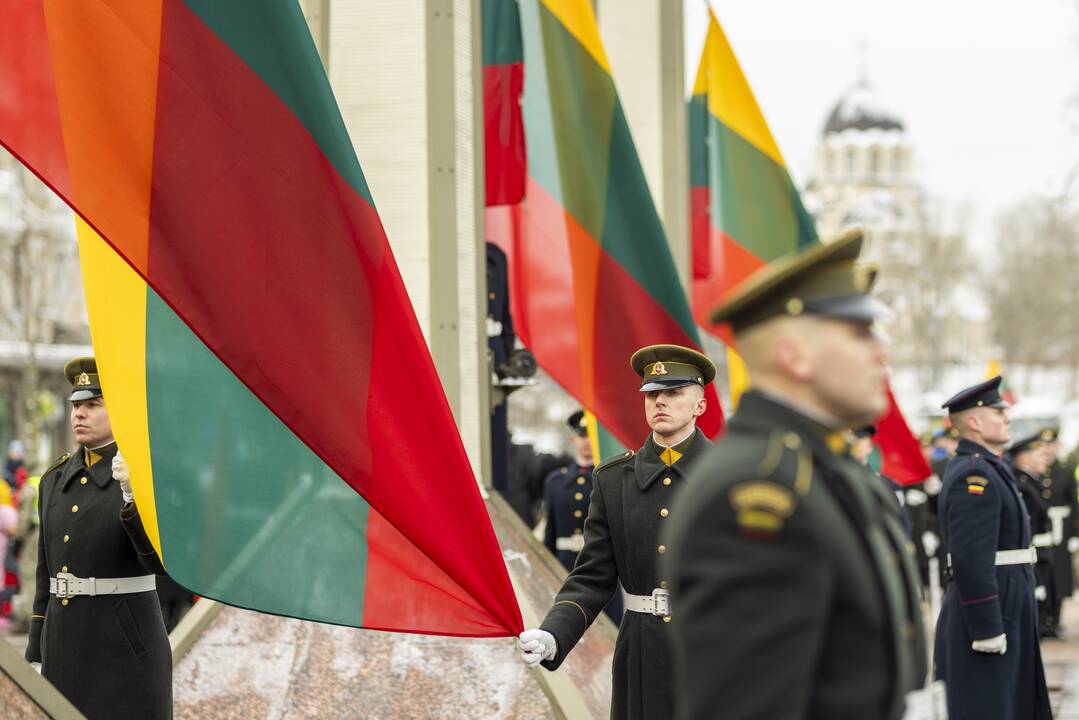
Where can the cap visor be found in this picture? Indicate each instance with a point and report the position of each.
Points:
(666, 384)
(84, 394)
(854, 308)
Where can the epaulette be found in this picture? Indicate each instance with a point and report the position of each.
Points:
(612, 461)
(780, 474)
(60, 461)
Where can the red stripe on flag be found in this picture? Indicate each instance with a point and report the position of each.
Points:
(504, 133)
(29, 113)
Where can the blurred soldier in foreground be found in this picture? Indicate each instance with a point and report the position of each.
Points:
(986, 647)
(97, 628)
(631, 500)
(566, 492)
(795, 592)
(1029, 464)
(1064, 516)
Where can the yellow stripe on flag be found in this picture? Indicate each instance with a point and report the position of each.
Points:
(116, 304)
(993, 370)
(738, 375)
(580, 21)
(729, 97)
(593, 436)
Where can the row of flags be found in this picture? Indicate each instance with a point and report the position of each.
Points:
(261, 358)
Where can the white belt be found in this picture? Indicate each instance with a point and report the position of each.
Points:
(66, 585)
(658, 603)
(573, 543)
(1022, 556)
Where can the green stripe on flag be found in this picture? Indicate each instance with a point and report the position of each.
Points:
(698, 143)
(287, 535)
(632, 232)
(273, 40)
(753, 199)
(501, 33)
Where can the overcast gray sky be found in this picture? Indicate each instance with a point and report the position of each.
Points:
(989, 91)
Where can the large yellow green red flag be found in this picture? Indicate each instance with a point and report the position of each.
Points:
(260, 358)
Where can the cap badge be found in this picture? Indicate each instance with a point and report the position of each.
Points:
(82, 379)
(795, 306)
(659, 369)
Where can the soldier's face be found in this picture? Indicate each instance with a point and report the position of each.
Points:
(90, 422)
(582, 449)
(992, 424)
(671, 412)
(848, 371)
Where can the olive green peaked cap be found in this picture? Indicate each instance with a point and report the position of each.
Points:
(82, 374)
(826, 280)
(662, 367)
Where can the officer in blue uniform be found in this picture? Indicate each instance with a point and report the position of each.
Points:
(1029, 464)
(566, 493)
(987, 634)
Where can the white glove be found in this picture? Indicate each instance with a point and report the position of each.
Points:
(123, 476)
(1039, 593)
(536, 646)
(930, 542)
(995, 646)
(916, 497)
(37, 667)
(1073, 544)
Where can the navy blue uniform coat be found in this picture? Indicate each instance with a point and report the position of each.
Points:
(983, 600)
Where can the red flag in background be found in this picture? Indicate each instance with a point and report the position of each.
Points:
(503, 83)
(901, 454)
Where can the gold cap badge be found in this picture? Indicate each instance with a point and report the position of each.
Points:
(659, 369)
(82, 379)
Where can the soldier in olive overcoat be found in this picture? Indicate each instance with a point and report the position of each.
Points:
(795, 589)
(97, 628)
(631, 500)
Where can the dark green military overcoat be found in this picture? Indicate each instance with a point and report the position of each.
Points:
(631, 502)
(108, 654)
(795, 589)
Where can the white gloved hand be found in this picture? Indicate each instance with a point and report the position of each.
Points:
(916, 497)
(930, 542)
(36, 666)
(1039, 593)
(123, 476)
(995, 645)
(536, 646)
(1073, 544)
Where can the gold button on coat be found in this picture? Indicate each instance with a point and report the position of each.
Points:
(63, 568)
(82, 481)
(66, 538)
(664, 512)
(577, 513)
(580, 481)
(662, 549)
(578, 496)
(666, 618)
(64, 601)
(666, 481)
(74, 508)
(663, 584)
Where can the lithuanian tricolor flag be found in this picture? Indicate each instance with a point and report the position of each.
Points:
(745, 210)
(745, 213)
(591, 274)
(262, 364)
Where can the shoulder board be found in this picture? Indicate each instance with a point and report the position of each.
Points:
(612, 461)
(775, 473)
(56, 464)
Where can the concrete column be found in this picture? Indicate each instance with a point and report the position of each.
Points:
(407, 79)
(644, 41)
